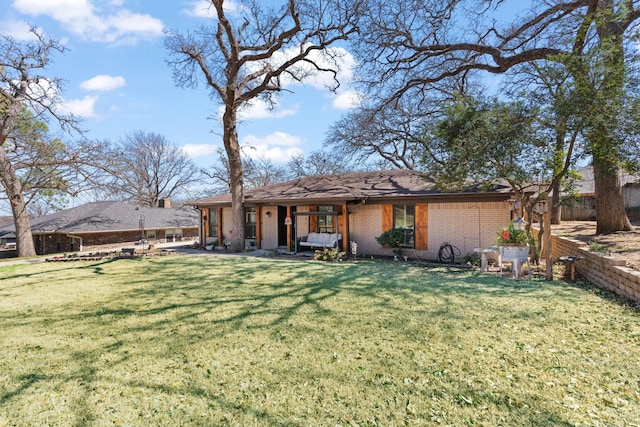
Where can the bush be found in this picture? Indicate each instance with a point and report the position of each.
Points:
(392, 238)
(329, 254)
(472, 258)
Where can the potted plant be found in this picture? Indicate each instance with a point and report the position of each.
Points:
(514, 240)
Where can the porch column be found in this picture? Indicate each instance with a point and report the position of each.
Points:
(289, 230)
(258, 227)
(202, 231)
(345, 232)
(220, 228)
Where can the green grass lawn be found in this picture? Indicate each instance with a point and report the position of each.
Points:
(207, 341)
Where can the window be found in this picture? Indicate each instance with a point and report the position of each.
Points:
(151, 234)
(173, 235)
(250, 223)
(325, 222)
(404, 219)
(213, 223)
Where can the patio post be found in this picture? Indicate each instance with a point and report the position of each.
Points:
(288, 223)
(345, 232)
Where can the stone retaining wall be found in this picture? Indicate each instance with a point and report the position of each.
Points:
(601, 270)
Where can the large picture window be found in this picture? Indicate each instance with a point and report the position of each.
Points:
(213, 223)
(404, 218)
(250, 223)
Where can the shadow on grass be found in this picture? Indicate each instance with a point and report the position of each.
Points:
(160, 303)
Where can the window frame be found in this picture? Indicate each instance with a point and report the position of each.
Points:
(250, 227)
(408, 230)
(213, 226)
(326, 223)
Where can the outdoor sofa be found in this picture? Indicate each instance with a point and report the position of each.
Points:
(321, 240)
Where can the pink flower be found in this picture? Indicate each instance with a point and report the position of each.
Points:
(505, 235)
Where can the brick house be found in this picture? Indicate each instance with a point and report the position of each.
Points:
(102, 223)
(360, 206)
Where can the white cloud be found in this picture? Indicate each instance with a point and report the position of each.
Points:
(334, 58)
(260, 109)
(81, 17)
(278, 146)
(346, 100)
(200, 9)
(18, 29)
(204, 9)
(103, 82)
(199, 150)
(80, 107)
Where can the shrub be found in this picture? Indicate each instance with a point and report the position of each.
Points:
(329, 254)
(392, 238)
(472, 258)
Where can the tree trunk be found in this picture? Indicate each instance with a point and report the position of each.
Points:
(556, 208)
(607, 102)
(610, 212)
(13, 188)
(232, 147)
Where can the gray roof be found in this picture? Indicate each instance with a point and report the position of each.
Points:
(372, 186)
(586, 185)
(111, 216)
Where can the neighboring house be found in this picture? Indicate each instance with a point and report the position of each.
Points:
(7, 238)
(584, 208)
(361, 206)
(101, 223)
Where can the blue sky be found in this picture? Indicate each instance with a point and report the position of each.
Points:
(118, 82)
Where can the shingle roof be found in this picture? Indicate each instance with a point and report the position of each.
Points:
(348, 186)
(112, 216)
(586, 185)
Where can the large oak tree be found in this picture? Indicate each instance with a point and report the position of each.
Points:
(25, 89)
(411, 47)
(255, 51)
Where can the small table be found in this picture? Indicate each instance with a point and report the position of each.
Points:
(484, 264)
(570, 261)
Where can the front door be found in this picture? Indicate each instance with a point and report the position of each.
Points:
(282, 229)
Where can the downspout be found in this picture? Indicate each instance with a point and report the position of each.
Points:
(79, 238)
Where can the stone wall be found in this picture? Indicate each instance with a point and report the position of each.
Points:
(598, 269)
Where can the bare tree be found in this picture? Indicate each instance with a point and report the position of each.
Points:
(392, 133)
(262, 171)
(254, 53)
(23, 87)
(415, 46)
(257, 172)
(320, 163)
(147, 167)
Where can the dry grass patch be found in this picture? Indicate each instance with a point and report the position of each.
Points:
(250, 341)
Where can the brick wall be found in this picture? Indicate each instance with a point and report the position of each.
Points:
(600, 270)
(465, 225)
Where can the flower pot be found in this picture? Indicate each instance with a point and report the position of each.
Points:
(515, 252)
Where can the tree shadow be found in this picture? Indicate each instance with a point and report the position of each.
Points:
(190, 299)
